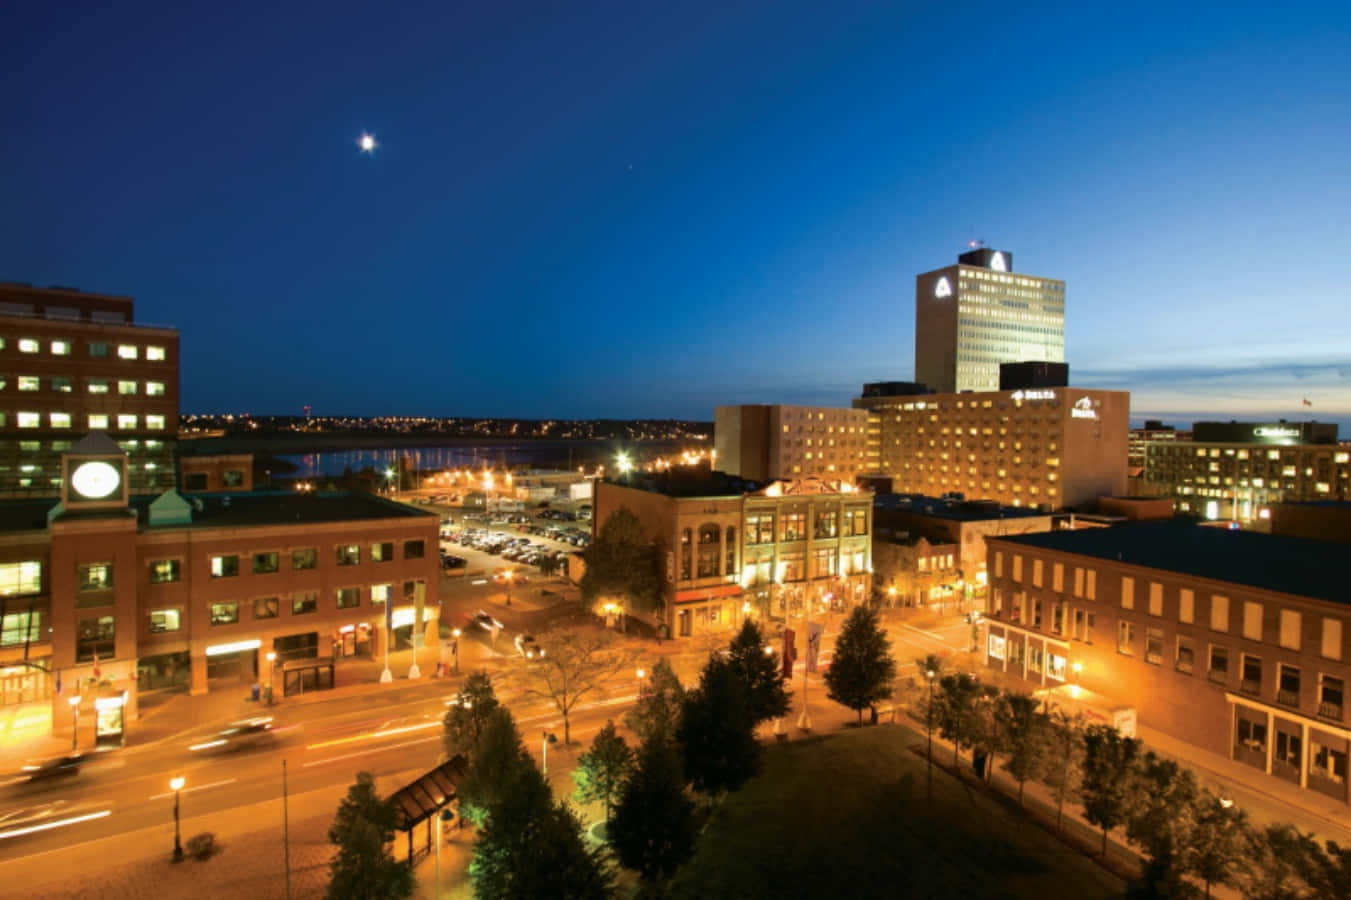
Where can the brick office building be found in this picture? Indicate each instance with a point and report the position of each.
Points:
(768, 442)
(1233, 641)
(107, 594)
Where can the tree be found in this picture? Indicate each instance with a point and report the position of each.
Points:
(548, 565)
(862, 671)
(653, 827)
(467, 714)
(1025, 735)
(602, 770)
(716, 734)
(658, 708)
(495, 768)
(364, 866)
(622, 562)
(1220, 841)
(1163, 824)
(958, 711)
(528, 845)
(1284, 864)
(759, 672)
(1064, 762)
(572, 665)
(1109, 784)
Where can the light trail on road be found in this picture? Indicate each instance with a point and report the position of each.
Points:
(382, 748)
(374, 735)
(48, 826)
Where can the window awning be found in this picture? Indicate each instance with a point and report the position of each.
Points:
(425, 797)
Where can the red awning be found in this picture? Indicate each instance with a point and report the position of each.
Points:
(722, 590)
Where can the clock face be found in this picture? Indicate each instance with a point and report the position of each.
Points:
(95, 480)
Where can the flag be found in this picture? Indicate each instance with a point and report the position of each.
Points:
(789, 651)
(1308, 402)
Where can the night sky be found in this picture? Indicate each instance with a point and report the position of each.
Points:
(647, 209)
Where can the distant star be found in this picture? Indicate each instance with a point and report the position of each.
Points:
(366, 142)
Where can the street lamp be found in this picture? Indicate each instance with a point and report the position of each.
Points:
(271, 671)
(508, 578)
(549, 738)
(929, 728)
(389, 474)
(623, 463)
(455, 647)
(641, 673)
(75, 729)
(176, 785)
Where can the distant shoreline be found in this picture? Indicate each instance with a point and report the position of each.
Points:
(292, 443)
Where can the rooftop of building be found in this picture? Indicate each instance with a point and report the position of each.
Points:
(955, 508)
(229, 510)
(689, 481)
(1288, 565)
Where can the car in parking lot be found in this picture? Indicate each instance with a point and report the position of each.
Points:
(527, 646)
(453, 562)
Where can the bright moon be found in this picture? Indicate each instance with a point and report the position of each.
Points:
(367, 143)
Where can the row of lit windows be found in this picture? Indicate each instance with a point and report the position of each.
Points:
(96, 349)
(65, 384)
(95, 421)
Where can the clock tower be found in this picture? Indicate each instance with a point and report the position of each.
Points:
(94, 474)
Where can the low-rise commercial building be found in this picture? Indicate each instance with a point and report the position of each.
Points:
(1049, 448)
(106, 594)
(729, 547)
(1232, 641)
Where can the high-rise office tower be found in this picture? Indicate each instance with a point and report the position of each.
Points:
(979, 313)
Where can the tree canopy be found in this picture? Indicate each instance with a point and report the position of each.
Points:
(364, 866)
(602, 770)
(1109, 781)
(623, 563)
(653, 827)
(573, 665)
(467, 714)
(659, 704)
(759, 673)
(862, 672)
(716, 732)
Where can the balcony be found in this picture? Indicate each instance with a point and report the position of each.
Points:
(1288, 698)
(1330, 710)
(1250, 686)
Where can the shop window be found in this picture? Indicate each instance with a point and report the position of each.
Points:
(20, 578)
(225, 613)
(381, 552)
(349, 597)
(224, 566)
(349, 554)
(412, 549)
(265, 608)
(308, 558)
(164, 571)
(304, 603)
(96, 577)
(996, 646)
(162, 620)
(794, 527)
(266, 563)
(1252, 735)
(1326, 762)
(1287, 748)
(95, 638)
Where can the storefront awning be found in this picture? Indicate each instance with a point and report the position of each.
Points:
(722, 590)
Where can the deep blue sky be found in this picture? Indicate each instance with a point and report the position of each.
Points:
(647, 209)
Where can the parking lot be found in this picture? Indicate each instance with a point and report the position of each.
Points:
(518, 542)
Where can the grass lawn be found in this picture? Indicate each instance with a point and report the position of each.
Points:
(847, 815)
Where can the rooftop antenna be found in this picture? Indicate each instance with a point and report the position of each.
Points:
(977, 244)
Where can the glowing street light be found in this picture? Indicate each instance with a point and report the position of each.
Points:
(367, 143)
(176, 785)
(624, 463)
(455, 647)
(389, 475)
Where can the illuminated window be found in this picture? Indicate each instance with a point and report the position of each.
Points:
(98, 421)
(224, 566)
(29, 345)
(29, 383)
(380, 593)
(98, 385)
(307, 602)
(307, 558)
(60, 419)
(60, 348)
(225, 613)
(62, 384)
(154, 388)
(20, 578)
(265, 607)
(154, 423)
(164, 571)
(29, 419)
(126, 387)
(162, 620)
(127, 351)
(349, 554)
(349, 597)
(154, 354)
(126, 420)
(96, 576)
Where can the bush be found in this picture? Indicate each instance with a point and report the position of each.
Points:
(202, 847)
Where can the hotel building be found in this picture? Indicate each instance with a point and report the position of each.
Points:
(1232, 641)
(1237, 471)
(769, 442)
(1048, 448)
(974, 315)
(73, 362)
(104, 594)
(728, 546)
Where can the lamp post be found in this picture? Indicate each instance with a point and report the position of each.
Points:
(176, 785)
(804, 721)
(75, 728)
(455, 647)
(271, 671)
(549, 738)
(508, 578)
(389, 474)
(929, 728)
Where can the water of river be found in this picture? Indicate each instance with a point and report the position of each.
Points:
(532, 454)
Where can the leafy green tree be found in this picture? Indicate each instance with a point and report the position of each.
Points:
(602, 770)
(1108, 787)
(1220, 841)
(862, 672)
(364, 866)
(1025, 735)
(716, 733)
(959, 714)
(623, 562)
(658, 708)
(1330, 873)
(1163, 824)
(467, 715)
(1284, 863)
(495, 768)
(529, 846)
(759, 672)
(653, 827)
(1065, 756)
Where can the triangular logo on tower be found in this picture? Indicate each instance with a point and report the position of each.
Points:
(943, 288)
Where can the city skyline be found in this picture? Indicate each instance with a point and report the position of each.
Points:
(620, 213)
